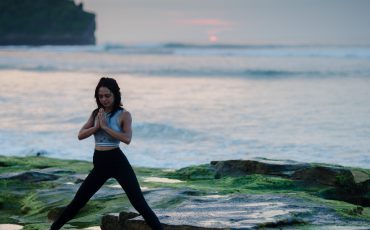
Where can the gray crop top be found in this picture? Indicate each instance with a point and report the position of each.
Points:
(104, 139)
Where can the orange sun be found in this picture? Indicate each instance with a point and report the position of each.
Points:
(213, 38)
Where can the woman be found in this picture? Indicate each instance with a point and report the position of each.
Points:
(110, 124)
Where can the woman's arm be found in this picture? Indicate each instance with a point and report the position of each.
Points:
(125, 121)
(88, 129)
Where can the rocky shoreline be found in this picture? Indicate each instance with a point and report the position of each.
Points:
(235, 194)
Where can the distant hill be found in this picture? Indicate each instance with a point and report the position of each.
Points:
(45, 22)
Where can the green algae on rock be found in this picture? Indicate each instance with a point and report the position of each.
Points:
(266, 200)
(340, 183)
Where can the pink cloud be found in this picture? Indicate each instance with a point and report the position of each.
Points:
(205, 22)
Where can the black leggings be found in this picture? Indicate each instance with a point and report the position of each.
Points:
(108, 164)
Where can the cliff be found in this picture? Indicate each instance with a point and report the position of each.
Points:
(45, 22)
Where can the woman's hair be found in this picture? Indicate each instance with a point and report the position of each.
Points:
(112, 85)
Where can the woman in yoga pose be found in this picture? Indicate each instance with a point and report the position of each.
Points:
(110, 124)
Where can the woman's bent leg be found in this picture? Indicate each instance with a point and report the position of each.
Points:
(126, 177)
(88, 188)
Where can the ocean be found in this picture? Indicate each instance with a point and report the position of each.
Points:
(192, 104)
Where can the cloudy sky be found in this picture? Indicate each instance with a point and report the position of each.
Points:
(232, 21)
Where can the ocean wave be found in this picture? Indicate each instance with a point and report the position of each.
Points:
(248, 73)
(194, 72)
(347, 52)
(325, 51)
(163, 131)
(177, 59)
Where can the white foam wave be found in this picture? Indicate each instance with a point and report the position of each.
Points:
(163, 131)
(350, 52)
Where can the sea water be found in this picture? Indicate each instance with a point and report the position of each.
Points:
(192, 104)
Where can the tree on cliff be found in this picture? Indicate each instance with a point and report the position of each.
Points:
(45, 22)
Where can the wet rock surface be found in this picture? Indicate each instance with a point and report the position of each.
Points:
(197, 197)
(32, 176)
(322, 174)
(260, 166)
(345, 184)
(233, 212)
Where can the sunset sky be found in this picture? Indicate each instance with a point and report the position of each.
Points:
(232, 21)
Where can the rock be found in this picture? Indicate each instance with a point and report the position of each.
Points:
(110, 222)
(332, 176)
(281, 223)
(126, 221)
(54, 213)
(247, 202)
(93, 228)
(247, 167)
(25, 209)
(5, 164)
(357, 211)
(343, 184)
(341, 179)
(360, 176)
(117, 221)
(41, 153)
(198, 172)
(124, 216)
(141, 225)
(10, 227)
(45, 22)
(31, 176)
(79, 181)
(235, 212)
(358, 194)
(51, 170)
(319, 174)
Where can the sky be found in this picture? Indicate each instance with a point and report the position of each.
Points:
(231, 21)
